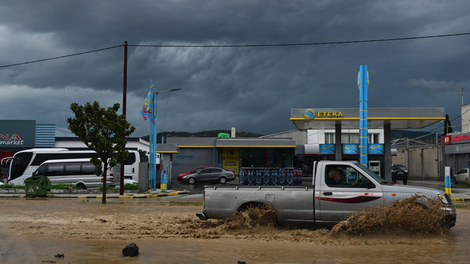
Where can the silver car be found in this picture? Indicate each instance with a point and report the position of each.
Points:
(461, 176)
(209, 175)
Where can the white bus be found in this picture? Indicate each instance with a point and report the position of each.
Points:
(25, 162)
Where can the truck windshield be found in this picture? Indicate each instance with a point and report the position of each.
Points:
(371, 173)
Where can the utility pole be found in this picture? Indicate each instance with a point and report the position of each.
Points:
(124, 101)
(437, 157)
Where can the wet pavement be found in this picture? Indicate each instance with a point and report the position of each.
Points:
(85, 231)
(458, 193)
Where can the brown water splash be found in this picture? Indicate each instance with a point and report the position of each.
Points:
(418, 215)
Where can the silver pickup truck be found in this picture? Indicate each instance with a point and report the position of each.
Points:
(338, 189)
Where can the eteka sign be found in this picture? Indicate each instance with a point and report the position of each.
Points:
(310, 114)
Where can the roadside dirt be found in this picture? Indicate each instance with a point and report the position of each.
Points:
(76, 228)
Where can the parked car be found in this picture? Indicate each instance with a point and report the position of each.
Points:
(399, 173)
(213, 174)
(461, 176)
(180, 177)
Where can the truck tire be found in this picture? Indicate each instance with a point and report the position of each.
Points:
(191, 181)
(223, 180)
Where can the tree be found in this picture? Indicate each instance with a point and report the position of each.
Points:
(103, 131)
(447, 126)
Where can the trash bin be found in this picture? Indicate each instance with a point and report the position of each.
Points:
(37, 186)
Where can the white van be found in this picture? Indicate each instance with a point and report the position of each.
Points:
(78, 172)
(25, 162)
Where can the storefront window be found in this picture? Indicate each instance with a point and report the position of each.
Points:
(263, 157)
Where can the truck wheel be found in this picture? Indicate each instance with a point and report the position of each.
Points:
(223, 180)
(81, 186)
(191, 181)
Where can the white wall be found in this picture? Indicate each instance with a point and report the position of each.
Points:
(318, 136)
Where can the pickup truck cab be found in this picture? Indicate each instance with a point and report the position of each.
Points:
(338, 189)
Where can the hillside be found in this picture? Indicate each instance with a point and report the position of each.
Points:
(424, 137)
(210, 133)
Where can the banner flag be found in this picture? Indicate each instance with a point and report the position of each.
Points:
(148, 111)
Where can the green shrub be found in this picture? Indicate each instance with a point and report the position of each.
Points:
(129, 186)
(107, 187)
(62, 186)
(12, 186)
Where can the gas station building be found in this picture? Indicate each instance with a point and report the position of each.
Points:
(294, 149)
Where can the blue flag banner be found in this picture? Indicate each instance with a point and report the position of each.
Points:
(148, 111)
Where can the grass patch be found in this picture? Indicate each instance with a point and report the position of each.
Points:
(11, 186)
(127, 186)
(62, 186)
(53, 186)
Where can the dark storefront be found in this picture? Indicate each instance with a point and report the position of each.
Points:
(456, 151)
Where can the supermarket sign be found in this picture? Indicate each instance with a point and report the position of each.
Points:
(17, 133)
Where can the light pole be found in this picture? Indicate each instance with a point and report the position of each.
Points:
(155, 133)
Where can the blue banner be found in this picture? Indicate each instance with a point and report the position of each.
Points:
(327, 149)
(350, 149)
(376, 149)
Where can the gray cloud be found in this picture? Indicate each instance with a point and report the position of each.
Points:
(250, 88)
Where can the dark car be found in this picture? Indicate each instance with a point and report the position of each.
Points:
(209, 175)
(399, 173)
(180, 176)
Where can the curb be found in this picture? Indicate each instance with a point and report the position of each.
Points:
(460, 199)
(133, 196)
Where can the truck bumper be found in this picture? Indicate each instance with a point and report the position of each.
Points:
(201, 215)
(450, 215)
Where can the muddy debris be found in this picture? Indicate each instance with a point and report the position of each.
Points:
(130, 250)
(151, 220)
(415, 215)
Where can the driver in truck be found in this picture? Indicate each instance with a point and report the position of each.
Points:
(337, 179)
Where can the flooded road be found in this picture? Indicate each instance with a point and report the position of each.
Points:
(167, 231)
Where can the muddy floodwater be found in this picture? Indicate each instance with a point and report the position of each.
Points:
(167, 231)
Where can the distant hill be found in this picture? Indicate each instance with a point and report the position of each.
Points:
(210, 133)
(395, 134)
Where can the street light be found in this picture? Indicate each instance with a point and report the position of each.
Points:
(155, 135)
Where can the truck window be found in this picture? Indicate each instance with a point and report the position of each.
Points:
(342, 176)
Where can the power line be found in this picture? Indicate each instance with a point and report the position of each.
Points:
(296, 44)
(60, 57)
(242, 46)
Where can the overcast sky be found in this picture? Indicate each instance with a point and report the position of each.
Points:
(250, 88)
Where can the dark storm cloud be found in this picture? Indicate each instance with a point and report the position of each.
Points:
(250, 88)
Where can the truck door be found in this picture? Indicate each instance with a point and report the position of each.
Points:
(345, 190)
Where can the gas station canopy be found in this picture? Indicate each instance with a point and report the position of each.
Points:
(378, 118)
